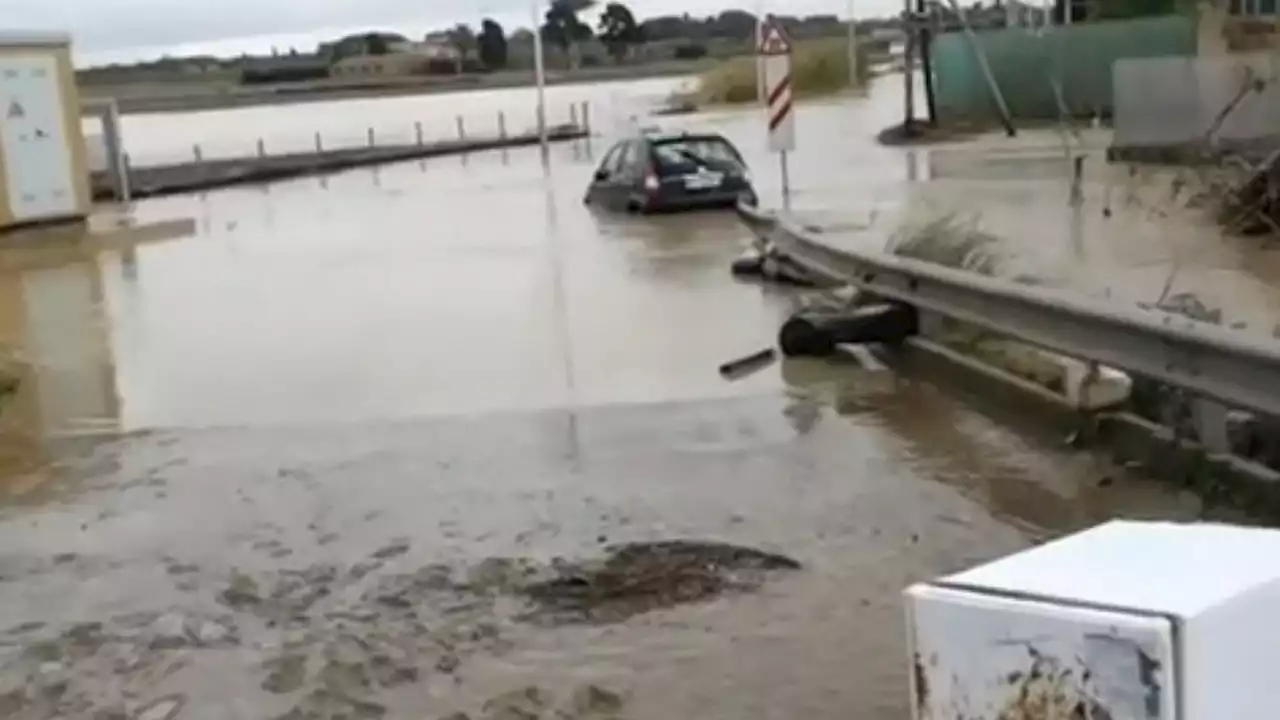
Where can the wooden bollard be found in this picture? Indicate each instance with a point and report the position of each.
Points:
(417, 131)
(124, 193)
(262, 148)
(462, 129)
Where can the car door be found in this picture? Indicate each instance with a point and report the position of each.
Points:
(603, 189)
(630, 174)
(622, 185)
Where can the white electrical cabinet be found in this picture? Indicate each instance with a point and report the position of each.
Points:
(1126, 621)
(42, 165)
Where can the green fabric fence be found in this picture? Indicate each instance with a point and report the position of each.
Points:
(1024, 62)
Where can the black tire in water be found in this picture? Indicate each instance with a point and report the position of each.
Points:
(802, 337)
(748, 266)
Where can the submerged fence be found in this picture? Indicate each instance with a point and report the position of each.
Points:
(250, 142)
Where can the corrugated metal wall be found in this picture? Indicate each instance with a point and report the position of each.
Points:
(1024, 61)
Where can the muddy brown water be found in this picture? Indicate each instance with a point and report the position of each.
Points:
(362, 447)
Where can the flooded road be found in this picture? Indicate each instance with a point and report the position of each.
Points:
(373, 423)
(159, 138)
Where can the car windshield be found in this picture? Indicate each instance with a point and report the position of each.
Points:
(693, 152)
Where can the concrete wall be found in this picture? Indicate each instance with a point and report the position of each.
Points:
(13, 45)
(1024, 61)
(1164, 103)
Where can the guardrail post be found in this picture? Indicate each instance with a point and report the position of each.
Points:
(417, 132)
(462, 129)
(124, 193)
(262, 148)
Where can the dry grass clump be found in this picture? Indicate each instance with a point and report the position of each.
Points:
(958, 243)
(950, 241)
(818, 67)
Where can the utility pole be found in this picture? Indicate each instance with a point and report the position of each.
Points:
(925, 12)
(540, 80)
(908, 68)
(760, 91)
(853, 48)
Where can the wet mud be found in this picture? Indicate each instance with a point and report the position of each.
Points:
(332, 640)
(639, 577)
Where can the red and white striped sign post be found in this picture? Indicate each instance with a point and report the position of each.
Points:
(775, 57)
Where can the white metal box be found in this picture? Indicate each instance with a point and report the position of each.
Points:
(1125, 621)
(43, 172)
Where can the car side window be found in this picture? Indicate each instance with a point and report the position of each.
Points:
(638, 158)
(623, 161)
(609, 165)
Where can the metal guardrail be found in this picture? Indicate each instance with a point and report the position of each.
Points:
(1235, 368)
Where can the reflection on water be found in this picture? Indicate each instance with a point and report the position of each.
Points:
(55, 336)
(69, 381)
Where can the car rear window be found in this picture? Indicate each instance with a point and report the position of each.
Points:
(689, 153)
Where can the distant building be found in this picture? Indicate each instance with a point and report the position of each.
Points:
(436, 46)
(284, 68)
(1227, 26)
(361, 44)
(435, 54)
(396, 64)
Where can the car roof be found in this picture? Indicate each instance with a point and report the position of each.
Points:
(656, 136)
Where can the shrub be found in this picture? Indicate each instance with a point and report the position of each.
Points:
(818, 67)
(690, 51)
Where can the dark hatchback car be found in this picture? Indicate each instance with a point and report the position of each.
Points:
(662, 172)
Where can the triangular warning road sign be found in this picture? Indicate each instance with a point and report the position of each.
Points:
(773, 41)
(15, 111)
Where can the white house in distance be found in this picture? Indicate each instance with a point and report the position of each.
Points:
(402, 58)
(435, 46)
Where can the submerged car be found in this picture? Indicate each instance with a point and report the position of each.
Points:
(662, 172)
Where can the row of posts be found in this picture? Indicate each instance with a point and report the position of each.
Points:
(579, 116)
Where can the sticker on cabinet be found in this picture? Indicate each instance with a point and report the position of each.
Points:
(37, 162)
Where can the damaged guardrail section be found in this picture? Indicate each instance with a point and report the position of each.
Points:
(1236, 369)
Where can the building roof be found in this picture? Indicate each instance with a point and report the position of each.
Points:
(33, 38)
(287, 62)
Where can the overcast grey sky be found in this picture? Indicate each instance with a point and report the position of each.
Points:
(115, 25)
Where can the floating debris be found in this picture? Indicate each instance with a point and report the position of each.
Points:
(744, 366)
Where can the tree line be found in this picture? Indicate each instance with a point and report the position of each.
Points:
(620, 32)
(564, 27)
